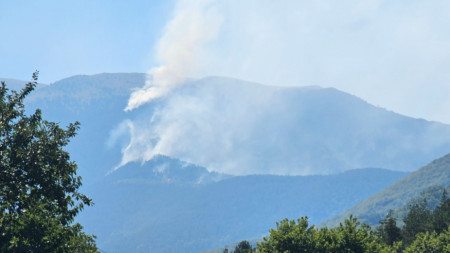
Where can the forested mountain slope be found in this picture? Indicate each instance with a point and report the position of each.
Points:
(374, 208)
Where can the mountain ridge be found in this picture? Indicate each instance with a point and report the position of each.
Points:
(316, 129)
(309, 130)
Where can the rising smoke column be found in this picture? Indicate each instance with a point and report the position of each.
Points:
(179, 51)
(195, 23)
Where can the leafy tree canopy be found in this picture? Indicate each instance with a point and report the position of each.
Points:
(39, 195)
(298, 236)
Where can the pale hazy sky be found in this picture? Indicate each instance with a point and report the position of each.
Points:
(395, 54)
(64, 38)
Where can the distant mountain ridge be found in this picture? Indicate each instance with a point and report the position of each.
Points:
(16, 84)
(163, 169)
(86, 88)
(239, 127)
(97, 102)
(251, 128)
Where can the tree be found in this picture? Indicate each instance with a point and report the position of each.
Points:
(441, 215)
(297, 236)
(431, 243)
(289, 236)
(354, 236)
(39, 197)
(416, 221)
(388, 229)
(243, 247)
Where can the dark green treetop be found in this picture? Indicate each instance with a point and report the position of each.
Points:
(388, 229)
(416, 221)
(441, 215)
(243, 247)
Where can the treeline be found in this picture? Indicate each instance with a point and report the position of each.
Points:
(424, 230)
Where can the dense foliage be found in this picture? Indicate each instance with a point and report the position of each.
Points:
(425, 230)
(291, 236)
(39, 195)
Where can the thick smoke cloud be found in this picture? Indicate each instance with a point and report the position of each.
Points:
(392, 54)
(194, 24)
(212, 123)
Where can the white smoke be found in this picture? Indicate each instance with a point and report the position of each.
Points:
(392, 54)
(195, 23)
(215, 122)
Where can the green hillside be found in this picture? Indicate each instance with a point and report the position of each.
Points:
(374, 208)
(432, 195)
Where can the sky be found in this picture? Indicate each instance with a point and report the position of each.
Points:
(65, 38)
(393, 54)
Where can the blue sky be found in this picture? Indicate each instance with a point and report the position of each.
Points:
(64, 38)
(394, 54)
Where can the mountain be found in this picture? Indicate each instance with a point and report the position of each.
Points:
(240, 128)
(16, 84)
(395, 196)
(208, 164)
(163, 169)
(97, 102)
(147, 214)
(236, 127)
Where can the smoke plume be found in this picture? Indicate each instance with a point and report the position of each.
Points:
(392, 54)
(194, 24)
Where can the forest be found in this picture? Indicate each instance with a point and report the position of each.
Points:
(424, 230)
